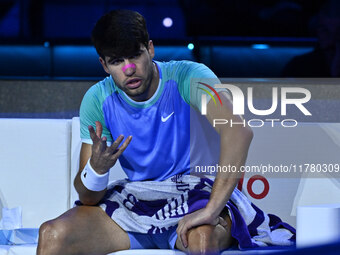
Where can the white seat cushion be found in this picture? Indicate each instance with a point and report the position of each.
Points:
(26, 249)
(34, 167)
(4, 249)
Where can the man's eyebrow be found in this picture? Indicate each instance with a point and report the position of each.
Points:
(113, 58)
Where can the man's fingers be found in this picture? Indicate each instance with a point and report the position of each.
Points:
(183, 236)
(92, 133)
(114, 150)
(223, 222)
(124, 145)
(95, 134)
(115, 144)
(182, 230)
(99, 129)
(103, 144)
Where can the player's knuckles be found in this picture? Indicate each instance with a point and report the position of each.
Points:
(96, 145)
(179, 229)
(181, 222)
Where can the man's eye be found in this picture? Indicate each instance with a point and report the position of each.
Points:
(116, 61)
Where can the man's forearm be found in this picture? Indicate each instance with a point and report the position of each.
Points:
(234, 150)
(87, 197)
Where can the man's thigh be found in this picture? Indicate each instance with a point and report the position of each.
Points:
(84, 230)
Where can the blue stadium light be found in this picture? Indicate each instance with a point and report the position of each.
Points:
(46, 44)
(191, 46)
(260, 46)
(167, 22)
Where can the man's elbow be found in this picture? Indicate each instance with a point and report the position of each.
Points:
(248, 134)
(88, 201)
(89, 198)
(244, 135)
(84, 195)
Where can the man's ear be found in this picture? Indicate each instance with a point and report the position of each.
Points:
(102, 61)
(151, 49)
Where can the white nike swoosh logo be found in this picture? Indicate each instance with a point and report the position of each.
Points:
(166, 118)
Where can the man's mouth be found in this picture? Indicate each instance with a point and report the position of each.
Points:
(133, 83)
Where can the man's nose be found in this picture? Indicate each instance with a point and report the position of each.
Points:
(129, 68)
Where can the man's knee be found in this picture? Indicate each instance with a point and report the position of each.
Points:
(201, 240)
(52, 237)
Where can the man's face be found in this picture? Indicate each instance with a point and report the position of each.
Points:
(132, 74)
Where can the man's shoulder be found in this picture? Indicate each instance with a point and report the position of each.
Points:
(98, 93)
(178, 63)
(102, 88)
(181, 69)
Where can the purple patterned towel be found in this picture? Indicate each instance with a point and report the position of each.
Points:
(153, 207)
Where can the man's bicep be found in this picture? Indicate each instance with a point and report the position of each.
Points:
(91, 110)
(85, 154)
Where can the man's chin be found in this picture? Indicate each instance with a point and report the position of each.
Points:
(135, 93)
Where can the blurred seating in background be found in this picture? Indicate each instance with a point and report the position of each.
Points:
(81, 62)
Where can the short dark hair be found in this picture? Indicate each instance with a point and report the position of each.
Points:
(120, 33)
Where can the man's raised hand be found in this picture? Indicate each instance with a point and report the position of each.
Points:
(104, 157)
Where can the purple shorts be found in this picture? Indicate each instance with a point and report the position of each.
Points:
(166, 240)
